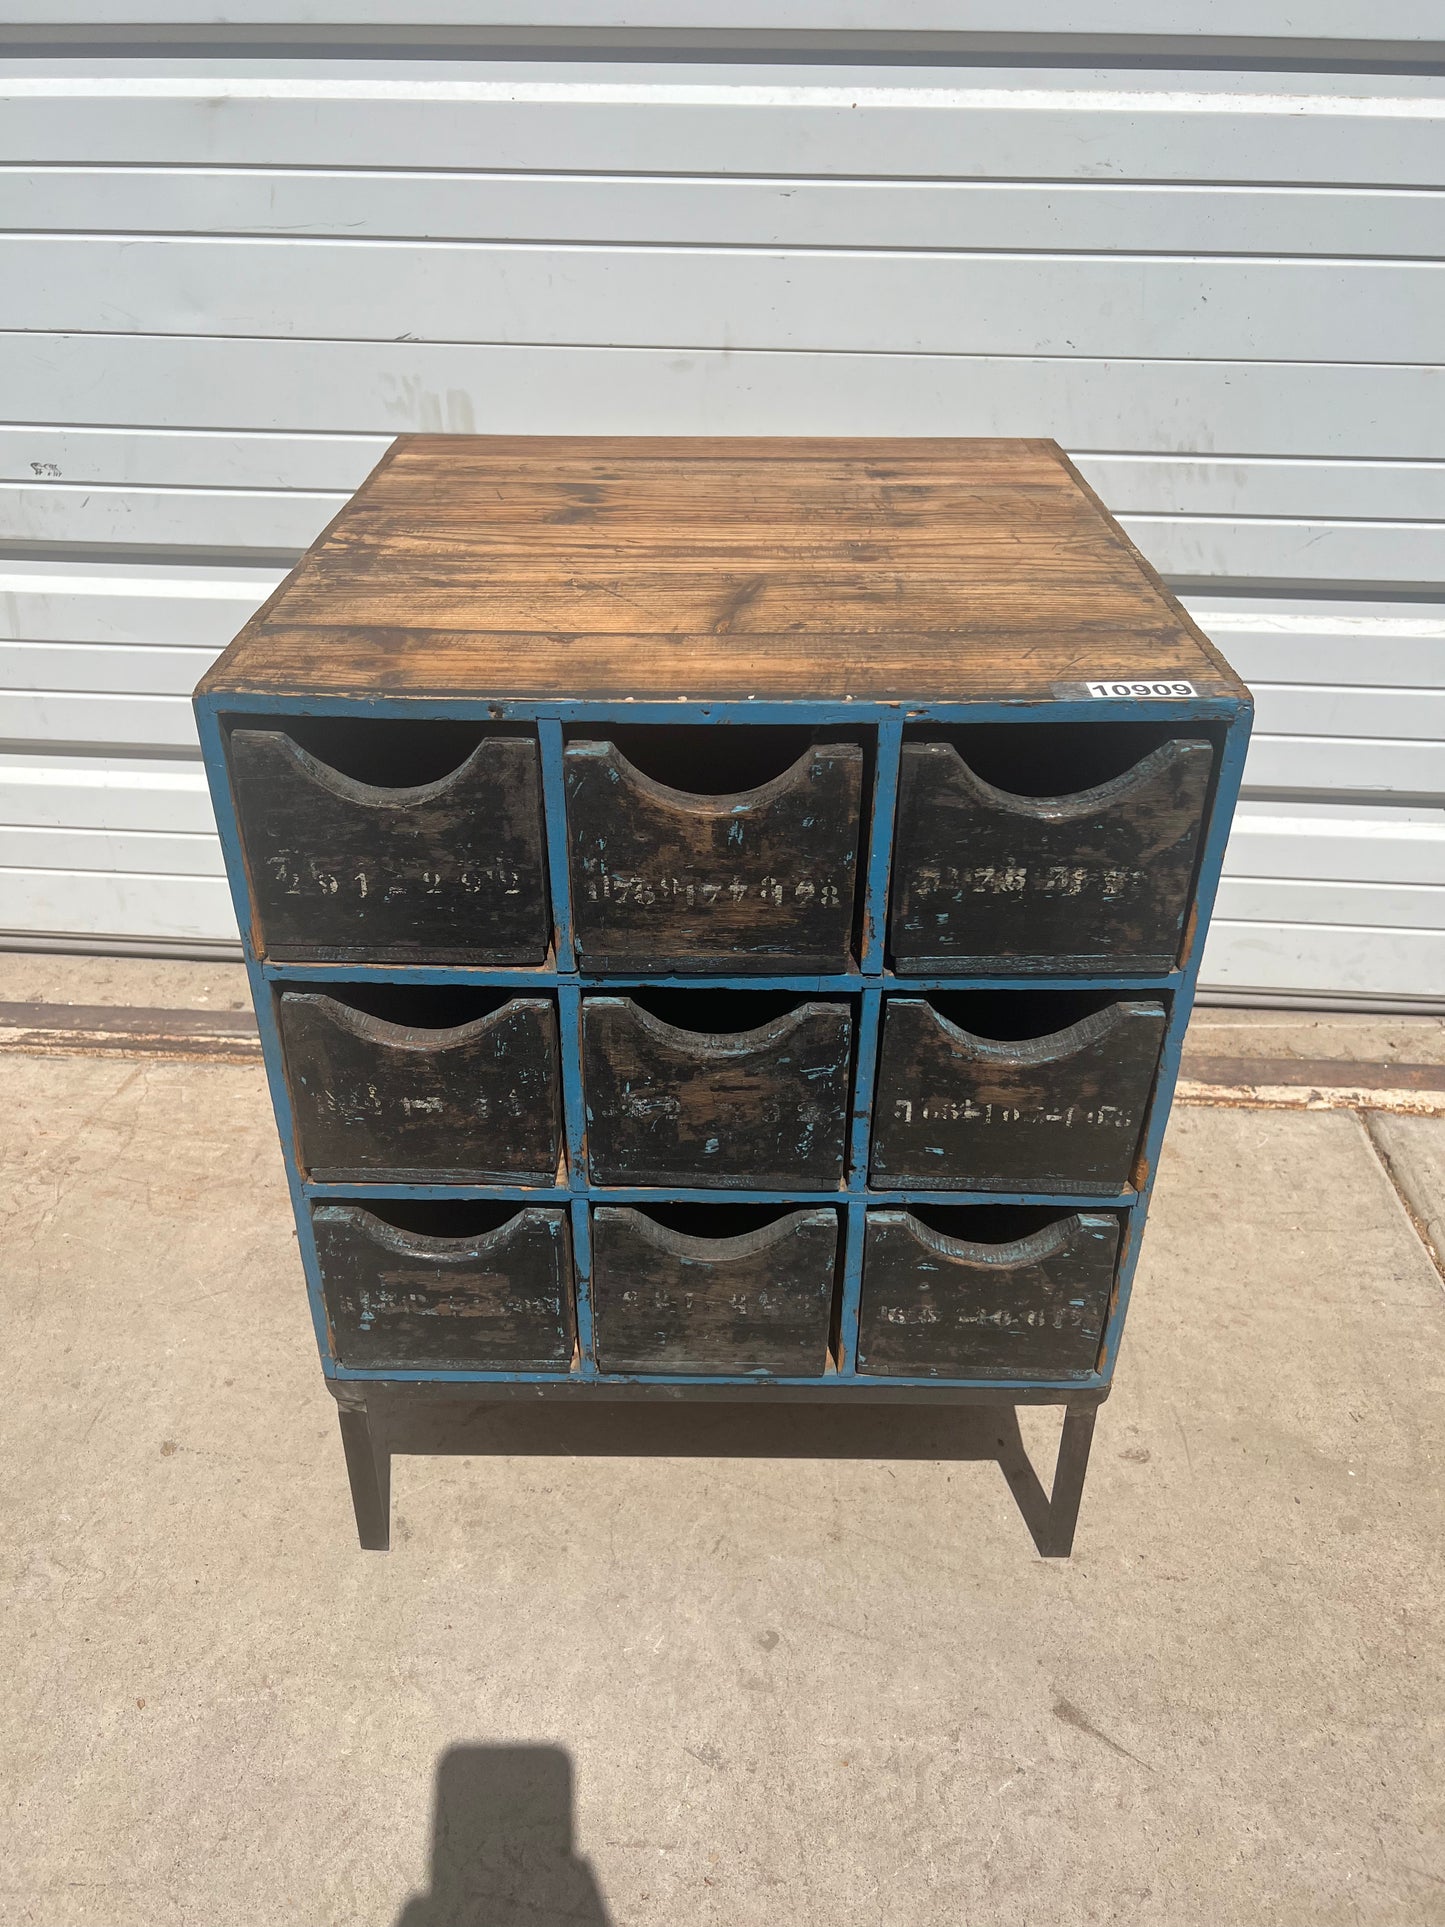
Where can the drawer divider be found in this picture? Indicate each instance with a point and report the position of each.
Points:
(854, 1233)
(554, 819)
(574, 1106)
(888, 757)
(865, 1071)
(582, 1283)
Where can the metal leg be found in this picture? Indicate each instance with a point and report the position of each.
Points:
(1056, 1541)
(368, 1466)
(1049, 1516)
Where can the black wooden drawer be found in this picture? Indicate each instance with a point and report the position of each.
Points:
(377, 1094)
(728, 1095)
(753, 1299)
(986, 880)
(443, 871)
(1038, 1109)
(969, 1304)
(667, 879)
(494, 1299)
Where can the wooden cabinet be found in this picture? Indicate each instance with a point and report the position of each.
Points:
(690, 890)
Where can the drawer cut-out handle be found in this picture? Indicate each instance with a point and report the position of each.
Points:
(1096, 801)
(713, 1045)
(470, 1249)
(1050, 1048)
(389, 1035)
(1047, 1242)
(283, 748)
(622, 770)
(743, 1246)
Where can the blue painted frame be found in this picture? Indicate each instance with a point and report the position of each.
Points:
(868, 983)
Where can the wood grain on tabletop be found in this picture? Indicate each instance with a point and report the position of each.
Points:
(532, 566)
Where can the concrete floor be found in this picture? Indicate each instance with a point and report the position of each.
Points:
(708, 1689)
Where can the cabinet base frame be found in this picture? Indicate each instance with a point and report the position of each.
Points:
(377, 1416)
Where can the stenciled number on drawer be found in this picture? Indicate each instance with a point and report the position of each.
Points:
(1016, 879)
(1055, 1318)
(608, 886)
(293, 874)
(963, 1110)
(360, 1103)
(376, 1302)
(658, 1298)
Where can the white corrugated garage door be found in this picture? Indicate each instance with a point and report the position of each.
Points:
(232, 268)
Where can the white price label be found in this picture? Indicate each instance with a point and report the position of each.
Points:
(1123, 691)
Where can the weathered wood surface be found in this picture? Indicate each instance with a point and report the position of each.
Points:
(640, 567)
(984, 880)
(942, 1307)
(766, 1107)
(666, 880)
(498, 1301)
(1061, 1112)
(480, 1101)
(445, 872)
(666, 1302)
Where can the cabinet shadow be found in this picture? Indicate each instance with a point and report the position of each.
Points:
(502, 1851)
(718, 1429)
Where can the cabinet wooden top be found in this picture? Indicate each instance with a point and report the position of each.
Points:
(599, 568)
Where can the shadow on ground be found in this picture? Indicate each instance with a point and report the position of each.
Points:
(502, 1851)
(879, 1432)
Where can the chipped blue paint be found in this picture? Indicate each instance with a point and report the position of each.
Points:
(554, 809)
(886, 763)
(1229, 776)
(213, 750)
(713, 1194)
(1219, 709)
(1039, 1390)
(543, 977)
(582, 1272)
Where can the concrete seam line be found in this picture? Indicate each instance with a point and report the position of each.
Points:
(191, 1050)
(39, 1029)
(1404, 1191)
(1305, 1073)
(1192, 1095)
